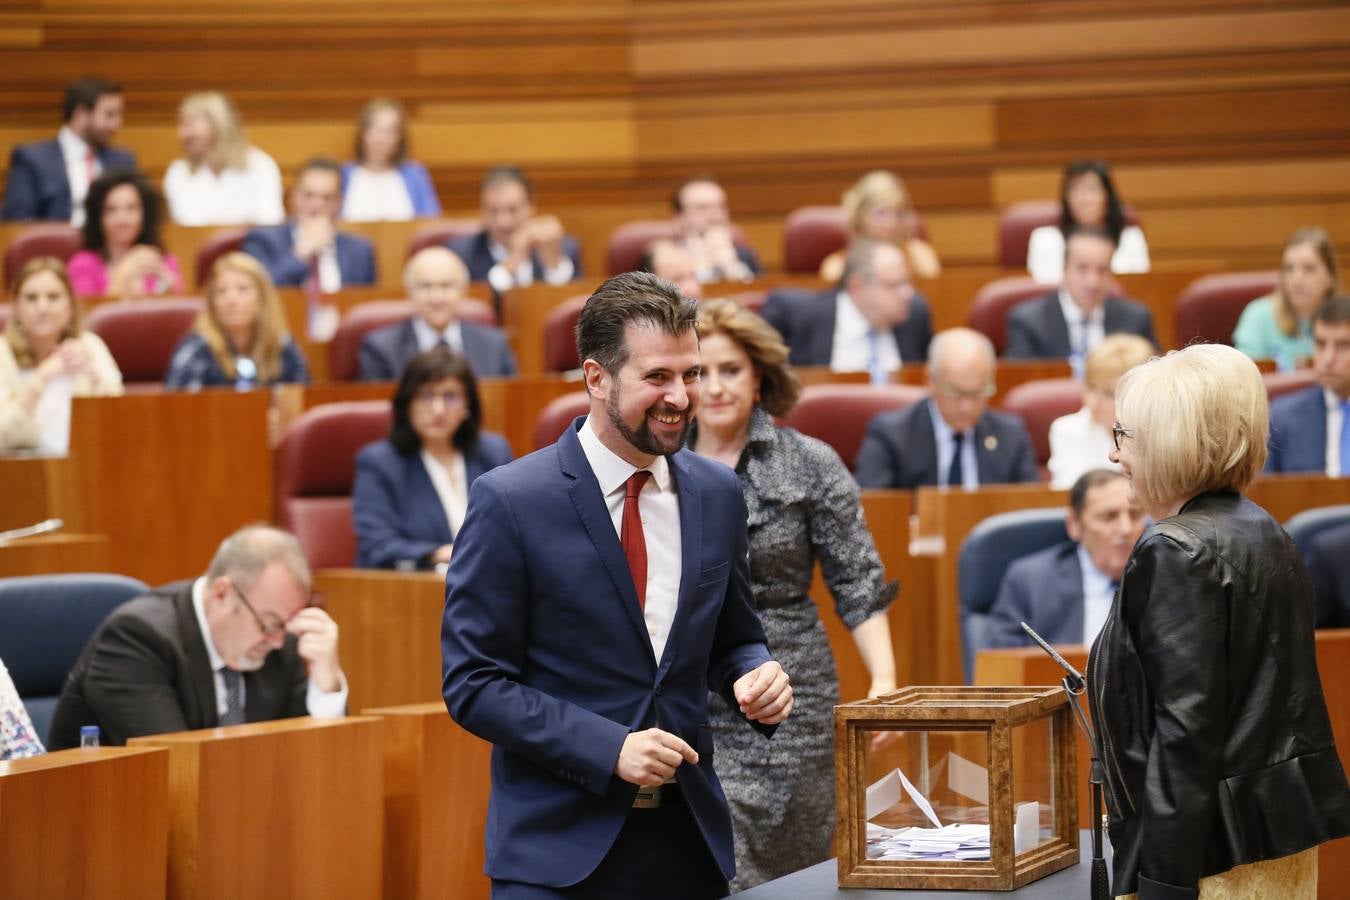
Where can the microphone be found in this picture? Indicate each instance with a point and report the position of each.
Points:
(42, 527)
(1076, 682)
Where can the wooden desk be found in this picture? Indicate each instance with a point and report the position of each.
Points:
(390, 633)
(290, 808)
(166, 476)
(436, 795)
(85, 823)
(49, 553)
(1031, 666)
(33, 488)
(1284, 495)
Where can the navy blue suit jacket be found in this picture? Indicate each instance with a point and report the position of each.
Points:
(1298, 432)
(473, 249)
(385, 352)
(547, 657)
(38, 187)
(397, 514)
(805, 319)
(1037, 330)
(272, 245)
(1326, 555)
(899, 450)
(1045, 590)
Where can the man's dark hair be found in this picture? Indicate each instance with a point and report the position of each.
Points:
(429, 367)
(1086, 482)
(506, 175)
(151, 214)
(1335, 310)
(631, 297)
(84, 94)
(677, 198)
(1086, 231)
(1115, 213)
(319, 164)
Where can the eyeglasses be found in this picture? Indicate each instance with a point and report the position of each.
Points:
(955, 393)
(269, 629)
(1119, 433)
(430, 398)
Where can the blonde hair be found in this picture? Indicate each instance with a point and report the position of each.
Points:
(269, 333)
(230, 150)
(873, 190)
(1285, 317)
(1115, 356)
(779, 386)
(18, 341)
(1199, 419)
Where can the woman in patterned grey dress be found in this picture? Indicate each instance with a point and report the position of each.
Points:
(803, 505)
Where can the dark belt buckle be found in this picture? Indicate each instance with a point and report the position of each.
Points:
(648, 797)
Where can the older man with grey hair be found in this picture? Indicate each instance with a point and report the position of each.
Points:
(951, 439)
(239, 644)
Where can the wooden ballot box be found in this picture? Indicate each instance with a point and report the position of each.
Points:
(84, 823)
(436, 795)
(292, 808)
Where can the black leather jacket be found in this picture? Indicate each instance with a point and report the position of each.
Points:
(1203, 682)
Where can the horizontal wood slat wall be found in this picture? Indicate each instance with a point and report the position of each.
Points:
(1225, 120)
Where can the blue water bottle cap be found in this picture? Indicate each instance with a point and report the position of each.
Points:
(88, 731)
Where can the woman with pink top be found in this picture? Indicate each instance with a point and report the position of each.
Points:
(123, 255)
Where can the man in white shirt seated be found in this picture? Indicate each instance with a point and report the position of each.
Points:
(240, 644)
(435, 280)
(704, 223)
(1065, 591)
(516, 247)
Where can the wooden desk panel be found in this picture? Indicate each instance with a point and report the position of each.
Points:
(85, 823)
(49, 553)
(291, 808)
(1285, 495)
(33, 488)
(168, 475)
(436, 795)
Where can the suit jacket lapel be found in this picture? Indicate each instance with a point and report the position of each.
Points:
(407, 347)
(201, 680)
(1057, 329)
(473, 348)
(424, 502)
(821, 325)
(1069, 575)
(922, 449)
(691, 546)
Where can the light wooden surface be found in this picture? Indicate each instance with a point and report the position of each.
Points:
(34, 488)
(80, 823)
(436, 796)
(290, 808)
(48, 553)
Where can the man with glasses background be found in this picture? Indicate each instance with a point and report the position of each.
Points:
(952, 439)
(239, 644)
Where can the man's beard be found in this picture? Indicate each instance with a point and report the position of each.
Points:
(642, 438)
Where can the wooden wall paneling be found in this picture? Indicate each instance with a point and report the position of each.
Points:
(50, 553)
(34, 488)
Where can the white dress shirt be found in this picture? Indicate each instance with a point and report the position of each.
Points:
(377, 197)
(319, 704)
(452, 487)
(852, 350)
(428, 337)
(946, 446)
(503, 279)
(75, 151)
(1078, 445)
(1335, 422)
(247, 196)
(1045, 253)
(659, 504)
(1097, 596)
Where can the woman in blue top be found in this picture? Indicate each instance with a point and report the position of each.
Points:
(1279, 326)
(240, 338)
(383, 185)
(412, 488)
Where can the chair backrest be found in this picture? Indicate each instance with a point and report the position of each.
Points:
(552, 419)
(226, 240)
(141, 334)
(986, 553)
(45, 621)
(1208, 309)
(315, 467)
(838, 413)
(344, 351)
(1041, 402)
(626, 243)
(560, 335)
(1280, 383)
(1020, 219)
(989, 312)
(45, 239)
(1306, 525)
(812, 233)
(441, 232)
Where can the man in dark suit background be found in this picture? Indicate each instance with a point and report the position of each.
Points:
(49, 179)
(1326, 555)
(516, 247)
(1064, 592)
(435, 280)
(599, 588)
(1069, 322)
(952, 438)
(1310, 429)
(703, 223)
(240, 644)
(872, 323)
(309, 249)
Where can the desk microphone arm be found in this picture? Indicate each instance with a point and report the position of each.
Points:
(1074, 685)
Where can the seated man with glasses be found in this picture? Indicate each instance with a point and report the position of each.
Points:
(240, 644)
(952, 438)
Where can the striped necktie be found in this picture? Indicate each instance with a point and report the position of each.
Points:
(234, 697)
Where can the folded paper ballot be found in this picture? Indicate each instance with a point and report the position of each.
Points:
(953, 842)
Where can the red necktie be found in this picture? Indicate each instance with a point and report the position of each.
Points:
(631, 537)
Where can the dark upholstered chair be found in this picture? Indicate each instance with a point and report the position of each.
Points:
(838, 413)
(560, 335)
(46, 239)
(1280, 383)
(141, 334)
(989, 312)
(226, 240)
(344, 351)
(986, 553)
(5, 311)
(552, 419)
(1041, 402)
(1306, 525)
(812, 233)
(626, 243)
(45, 621)
(315, 468)
(1208, 309)
(441, 232)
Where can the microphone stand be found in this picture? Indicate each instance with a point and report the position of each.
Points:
(1075, 685)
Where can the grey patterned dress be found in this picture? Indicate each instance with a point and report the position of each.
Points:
(803, 505)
